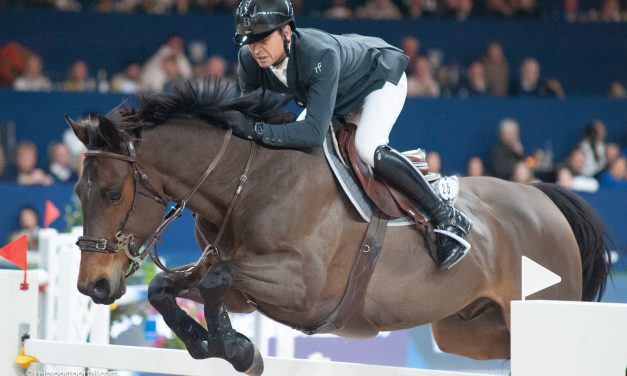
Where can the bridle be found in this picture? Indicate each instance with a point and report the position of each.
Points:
(126, 242)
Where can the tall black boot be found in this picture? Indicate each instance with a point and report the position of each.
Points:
(452, 226)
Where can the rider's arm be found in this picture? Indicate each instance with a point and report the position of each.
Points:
(311, 131)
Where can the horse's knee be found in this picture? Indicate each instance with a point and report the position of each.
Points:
(217, 281)
(159, 287)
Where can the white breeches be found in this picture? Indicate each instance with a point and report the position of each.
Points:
(378, 115)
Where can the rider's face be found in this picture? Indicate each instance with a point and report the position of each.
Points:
(270, 50)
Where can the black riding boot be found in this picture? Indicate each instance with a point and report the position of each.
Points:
(452, 226)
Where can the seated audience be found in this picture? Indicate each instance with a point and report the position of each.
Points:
(575, 163)
(508, 149)
(475, 167)
(593, 147)
(28, 224)
(25, 170)
(78, 78)
(422, 83)
(475, 84)
(615, 175)
(379, 10)
(530, 84)
(154, 76)
(127, 82)
(60, 163)
(33, 78)
(566, 179)
(496, 70)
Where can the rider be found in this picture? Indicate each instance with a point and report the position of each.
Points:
(334, 75)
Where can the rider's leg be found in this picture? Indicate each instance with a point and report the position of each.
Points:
(379, 113)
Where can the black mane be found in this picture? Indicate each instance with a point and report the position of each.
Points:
(207, 100)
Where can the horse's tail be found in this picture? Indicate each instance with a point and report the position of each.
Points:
(591, 235)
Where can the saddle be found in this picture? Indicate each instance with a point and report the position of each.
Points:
(388, 199)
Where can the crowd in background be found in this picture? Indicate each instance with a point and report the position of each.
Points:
(490, 74)
(460, 10)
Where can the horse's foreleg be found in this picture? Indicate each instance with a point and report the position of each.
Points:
(162, 294)
(223, 341)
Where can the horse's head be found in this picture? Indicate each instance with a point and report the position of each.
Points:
(117, 220)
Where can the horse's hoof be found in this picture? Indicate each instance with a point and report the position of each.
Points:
(256, 367)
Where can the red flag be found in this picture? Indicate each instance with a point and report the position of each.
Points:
(16, 252)
(51, 213)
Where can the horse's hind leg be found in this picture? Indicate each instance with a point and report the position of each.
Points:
(483, 336)
(162, 293)
(223, 340)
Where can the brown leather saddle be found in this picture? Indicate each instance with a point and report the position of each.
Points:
(387, 198)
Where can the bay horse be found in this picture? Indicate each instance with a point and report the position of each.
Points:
(287, 246)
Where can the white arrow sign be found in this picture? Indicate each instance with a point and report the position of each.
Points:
(536, 277)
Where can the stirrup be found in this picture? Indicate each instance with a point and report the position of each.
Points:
(463, 242)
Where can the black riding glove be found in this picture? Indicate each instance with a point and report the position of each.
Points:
(243, 125)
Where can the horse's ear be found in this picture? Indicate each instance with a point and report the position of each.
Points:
(80, 130)
(108, 132)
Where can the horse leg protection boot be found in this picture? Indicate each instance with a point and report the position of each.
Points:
(452, 226)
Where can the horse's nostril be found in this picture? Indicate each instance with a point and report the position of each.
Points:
(101, 289)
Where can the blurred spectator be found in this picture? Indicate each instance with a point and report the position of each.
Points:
(26, 172)
(422, 83)
(173, 76)
(460, 10)
(434, 161)
(216, 66)
(525, 9)
(523, 174)
(13, 58)
(411, 47)
(127, 82)
(154, 76)
(529, 82)
(566, 179)
(338, 10)
(496, 70)
(3, 165)
(615, 175)
(575, 164)
(475, 84)
(78, 78)
(608, 11)
(612, 153)
(60, 163)
(475, 167)
(501, 8)
(617, 90)
(415, 9)
(508, 150)
(379, 10)
(593, 147)
(570, 11)
(28, 224)
(33, 78)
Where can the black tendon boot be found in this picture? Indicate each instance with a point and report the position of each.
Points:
(452, 226)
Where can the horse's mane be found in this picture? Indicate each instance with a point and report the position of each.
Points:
(206, 100)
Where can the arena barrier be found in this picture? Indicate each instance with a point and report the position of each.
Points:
(548, 338)
(19, 316)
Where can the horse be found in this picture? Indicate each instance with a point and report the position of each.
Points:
(289, 236)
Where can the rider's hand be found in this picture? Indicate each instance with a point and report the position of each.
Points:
(242, 124)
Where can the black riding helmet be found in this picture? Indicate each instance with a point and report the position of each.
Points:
(256, 19)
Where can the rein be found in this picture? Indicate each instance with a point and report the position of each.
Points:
(126, 242)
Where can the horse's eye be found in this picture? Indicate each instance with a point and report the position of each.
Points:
(114, 196)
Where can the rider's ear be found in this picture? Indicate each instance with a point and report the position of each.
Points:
(108, 132)
(80, 130)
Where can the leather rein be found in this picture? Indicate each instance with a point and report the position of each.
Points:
(126, 242)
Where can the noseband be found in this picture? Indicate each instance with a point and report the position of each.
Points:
(126, 242)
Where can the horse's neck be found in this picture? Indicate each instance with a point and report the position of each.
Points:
(179, 153)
